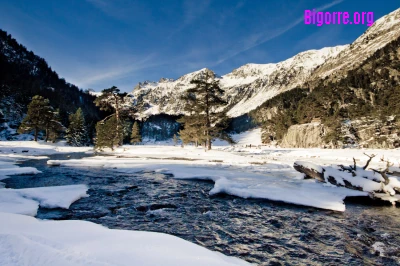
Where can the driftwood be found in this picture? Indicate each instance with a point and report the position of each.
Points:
(310, 173)
(369, 160)
(324, 174)
(384, 172)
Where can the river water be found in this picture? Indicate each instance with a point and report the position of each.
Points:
(258, 231)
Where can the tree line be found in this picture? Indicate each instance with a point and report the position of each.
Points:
(203, 123)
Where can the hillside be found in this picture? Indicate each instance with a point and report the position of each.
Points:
(23, 75)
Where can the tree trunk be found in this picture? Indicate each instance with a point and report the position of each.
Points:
(208, 124)
(36, 133)
(47, 135)
(117, 117)
(310, 173)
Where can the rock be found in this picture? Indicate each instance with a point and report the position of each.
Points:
(304, 136)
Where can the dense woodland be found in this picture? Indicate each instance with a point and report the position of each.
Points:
(24, 75)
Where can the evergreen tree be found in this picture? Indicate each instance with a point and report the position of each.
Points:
(111, 100)
(175, 139)
(135, 136)
(193, 131)
(54, 128)
(106, 136)
(203, 103)
(41, 116)
(77, 134)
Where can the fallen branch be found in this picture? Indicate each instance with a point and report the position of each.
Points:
(369, 160)
(309, 172)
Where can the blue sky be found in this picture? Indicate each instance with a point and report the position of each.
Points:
(100, 43)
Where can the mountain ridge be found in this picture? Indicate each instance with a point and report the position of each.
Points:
(250, 85)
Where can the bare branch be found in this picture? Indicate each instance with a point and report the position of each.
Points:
(369, 160)
(383, 174)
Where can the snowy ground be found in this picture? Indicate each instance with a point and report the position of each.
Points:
(25, 240)
(22, 149)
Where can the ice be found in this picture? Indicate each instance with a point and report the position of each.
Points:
(26, 201)
(25, 240)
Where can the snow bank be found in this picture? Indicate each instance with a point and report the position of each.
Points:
(26, 201)
(6, 172)
(25, 240)
(271, 181)
(8, 167)
(28, 148)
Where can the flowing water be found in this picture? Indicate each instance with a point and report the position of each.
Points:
(259, 231)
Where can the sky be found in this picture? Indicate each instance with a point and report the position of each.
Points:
(96, 44)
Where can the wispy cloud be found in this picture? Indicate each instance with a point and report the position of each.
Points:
(90, 75)
(259, 38)
(192, 11)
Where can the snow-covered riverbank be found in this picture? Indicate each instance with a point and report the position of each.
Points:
(257, 172)
(25, 240)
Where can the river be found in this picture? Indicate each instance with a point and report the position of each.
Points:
(259, 231)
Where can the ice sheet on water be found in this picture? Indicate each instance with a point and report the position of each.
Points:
(26, 201)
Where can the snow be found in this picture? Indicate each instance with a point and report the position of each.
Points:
(309, 165)
(6, 172)
(26, 148)
(252, 137)
(26, 201)
(27, 241)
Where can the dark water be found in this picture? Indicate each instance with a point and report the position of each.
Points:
(259, 231)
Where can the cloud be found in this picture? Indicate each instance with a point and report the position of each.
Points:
(91, 75)
(259, 38)
(192, 11)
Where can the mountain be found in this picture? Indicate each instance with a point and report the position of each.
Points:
(382, 32)
(344, 87)
(250, 85)
(246, 87)
(351, 100)
(24, 75)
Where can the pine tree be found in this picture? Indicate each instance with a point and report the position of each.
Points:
(205, 121)
(105, 133)
(193, 131)
(54, 128)
(41, 116)
(135, 136)
(175, 139)
(77, 134)
(111, 100)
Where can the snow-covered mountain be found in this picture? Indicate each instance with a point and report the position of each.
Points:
(249, 86)
(383, 31)
(246, 87)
